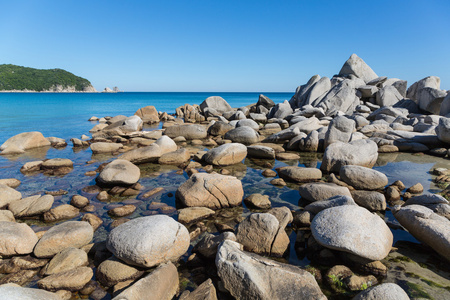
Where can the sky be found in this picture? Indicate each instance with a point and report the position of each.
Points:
(225, 46)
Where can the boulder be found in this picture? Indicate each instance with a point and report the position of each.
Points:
(310, 143)
(16, 238)
(68, 259)
(120, 125)
(119, 172)
(192, 214)
(342, 97)
(334, 201)
(166, 144)
(217, 103)
(360, 152)
(281, 110)
(214, 191)
(362, 178)
(189, 132)
(149, 241)
(143, 155)
(265, 101)
(113, 271)
(205, 291)
(246, 276)
(148, 114)
(176, 157)
(226, 154)
(388, 96)
(356, 66)
(302, 92)
(321, 191)
(299, 174)
(103, 147)
(257, 233)
(399, 84)
(31, 206)
(22, 142)
(445, 106)
(160, 284)
(430, 99)
(373, 201)
(443, 130)
(244, 135)
(317, 91)
(249, 123)
(340, 129)
(257, 201)
(219, 128)
(16, 292)
(385, 291)
(61, 212)
(8, 195)
(11, 182)
(72, 280)
(350, 229)
(426, 226)
(261, 152)
(208, 244)
(6, 215)
(68, 234)
(430, 81)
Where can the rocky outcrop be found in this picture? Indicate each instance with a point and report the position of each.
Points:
(148, 114)
(356, 66)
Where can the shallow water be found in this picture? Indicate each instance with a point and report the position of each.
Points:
(409, 168)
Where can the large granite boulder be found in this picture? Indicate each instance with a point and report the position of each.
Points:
(143, 155)
(16, 238)
(443, 130)
(113, 271)
(339, 130)
(350, 229)
(385, 291)
(148, 114)
(372, 200)
(265, 101)
(71, 280)
(68, 234)
(103, 147)
(22, 142)
(430, 81)
(319, 191)
(430, 99)
(119, 172)
(318, 91)
(261, 152)
(219, 128)
(214, 191)
(120, 126)
(161, 284)
(280, 111)
(356, 66)
(426, 226)
(341, 97)
(149, 241)
(226, 154)
(299, 174)
(334, 201)
(244, 135)
(445, 106)
(189, 131)
(16, 292)
(259, 233)
(31, 206)
(249, 123)
(217, 103)
(302, 92)
(363, 178)
(250, 276)
(166, 144)
(388, 96)
(68, 259)
(360, 152)
(8, 195)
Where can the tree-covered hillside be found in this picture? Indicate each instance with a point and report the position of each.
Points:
(14, 77)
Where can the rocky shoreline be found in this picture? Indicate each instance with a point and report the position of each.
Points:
(341, 223)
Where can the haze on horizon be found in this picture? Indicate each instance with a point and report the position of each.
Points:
(224, 46)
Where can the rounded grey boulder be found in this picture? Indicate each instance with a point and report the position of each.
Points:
(385, 291)
(353, 229)
(149, 241)
(119, 172)
(363, 178)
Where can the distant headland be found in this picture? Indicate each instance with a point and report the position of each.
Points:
(18, 79)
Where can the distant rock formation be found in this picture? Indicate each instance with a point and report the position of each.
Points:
(108, 90)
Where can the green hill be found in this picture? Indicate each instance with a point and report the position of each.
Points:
(14, 77)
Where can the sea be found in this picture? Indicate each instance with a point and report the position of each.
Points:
(65, 115)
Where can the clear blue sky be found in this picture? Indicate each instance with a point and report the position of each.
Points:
(214, 45)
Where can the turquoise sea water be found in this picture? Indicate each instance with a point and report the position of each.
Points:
(64, 115)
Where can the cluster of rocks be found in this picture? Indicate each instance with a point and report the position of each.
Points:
(351, 118)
